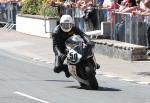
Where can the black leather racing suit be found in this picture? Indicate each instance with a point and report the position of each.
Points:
(59, 37)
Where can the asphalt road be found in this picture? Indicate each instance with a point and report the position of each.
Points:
(23, 80)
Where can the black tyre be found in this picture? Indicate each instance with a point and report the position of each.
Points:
(91, 77)
(83, 86)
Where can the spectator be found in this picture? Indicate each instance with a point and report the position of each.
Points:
(113, 5)
(81, 4)
(90, 16)
(67, 4)
(122, 5)
(147, 18)
(146, 14)
(79, 12)
(138, 2)
(68, 7)
(106, 3)
(55, 3)
(91, 2)
(127, 6)
(99, 2)
(130, 5)
(119, 2)
(142, 6)
(58, 4)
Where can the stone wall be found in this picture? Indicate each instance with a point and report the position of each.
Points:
(116, 49)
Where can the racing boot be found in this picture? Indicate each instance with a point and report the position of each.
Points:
(67, 74)
(58, 69)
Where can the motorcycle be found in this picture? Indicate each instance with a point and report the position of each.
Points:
(81, 62)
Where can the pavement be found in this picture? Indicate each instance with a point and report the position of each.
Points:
(40, 49)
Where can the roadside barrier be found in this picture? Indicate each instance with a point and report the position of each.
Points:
(3, 15)
(120, 26)
(129, 29)
(8, 16)
(123, 26)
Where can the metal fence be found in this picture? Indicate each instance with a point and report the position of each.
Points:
(130, 29)
(124, 26)
(8, 13)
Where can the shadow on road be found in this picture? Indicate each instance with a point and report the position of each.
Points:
(99, 89)
(143, 73)
(59, 80)
(108, 89)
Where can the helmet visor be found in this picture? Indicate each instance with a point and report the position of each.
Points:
(66, 26)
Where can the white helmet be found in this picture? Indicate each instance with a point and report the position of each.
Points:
(66, 23)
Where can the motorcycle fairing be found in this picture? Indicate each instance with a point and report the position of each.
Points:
(73, 72)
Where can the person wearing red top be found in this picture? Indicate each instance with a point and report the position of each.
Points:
(113, 6)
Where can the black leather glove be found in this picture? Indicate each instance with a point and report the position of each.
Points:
(90, 44)
(62, 56)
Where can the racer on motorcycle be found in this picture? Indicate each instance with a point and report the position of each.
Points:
(61, 33)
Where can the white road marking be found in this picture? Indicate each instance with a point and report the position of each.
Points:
(128, 80)
(51, 62)
(30, 97)
(110, 76)
(122, 78)
(144, 83)
(36, 59)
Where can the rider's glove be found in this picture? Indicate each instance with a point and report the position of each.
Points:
(62, 56)
(90, 44)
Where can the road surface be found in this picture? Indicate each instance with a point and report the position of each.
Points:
(23, 80)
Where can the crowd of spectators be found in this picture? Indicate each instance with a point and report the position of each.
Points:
(124, 6)
(139, 8)
(7, 1)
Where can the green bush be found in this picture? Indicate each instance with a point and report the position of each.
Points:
(37, 7)
(50, 11)
(30, 7)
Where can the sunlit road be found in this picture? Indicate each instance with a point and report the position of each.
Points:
(23, 80)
